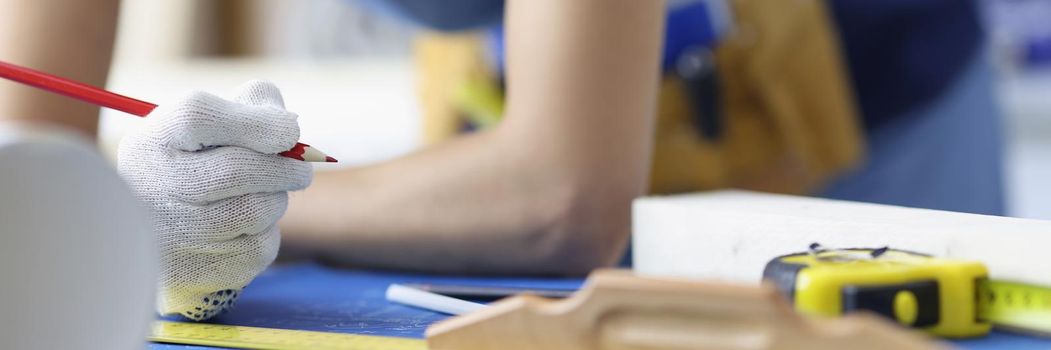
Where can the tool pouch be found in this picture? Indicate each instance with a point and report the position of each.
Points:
(779, 116)
(787, 113)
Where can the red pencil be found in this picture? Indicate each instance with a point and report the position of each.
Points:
(100, 97)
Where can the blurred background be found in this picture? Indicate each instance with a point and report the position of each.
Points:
(346, 72)
(350, 74)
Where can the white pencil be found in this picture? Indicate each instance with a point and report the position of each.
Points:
(431, 301)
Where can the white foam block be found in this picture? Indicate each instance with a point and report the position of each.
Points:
(731, 235)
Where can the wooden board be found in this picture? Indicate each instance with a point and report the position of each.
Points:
(731, 235)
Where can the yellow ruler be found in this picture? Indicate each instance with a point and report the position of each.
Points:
(273, 339)
(1016, 306)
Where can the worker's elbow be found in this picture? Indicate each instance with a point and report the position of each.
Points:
(588, 228)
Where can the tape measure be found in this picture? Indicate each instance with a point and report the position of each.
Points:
(272, 338)
(945, 297)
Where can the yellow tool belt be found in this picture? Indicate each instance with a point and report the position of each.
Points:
(789, 119)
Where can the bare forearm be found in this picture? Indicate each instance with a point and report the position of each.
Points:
(460, 206)
(548, 191)
(72, 38)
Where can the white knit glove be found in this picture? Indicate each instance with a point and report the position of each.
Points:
(208, 168)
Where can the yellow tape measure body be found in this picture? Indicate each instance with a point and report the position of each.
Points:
(273, 339)
(945, 297)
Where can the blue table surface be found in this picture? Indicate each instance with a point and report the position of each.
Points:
(313, 297)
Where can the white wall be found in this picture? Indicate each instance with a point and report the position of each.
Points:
(355, 97)
(1026, 100)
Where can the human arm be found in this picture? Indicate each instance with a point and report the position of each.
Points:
(70, 38)
(548, 191)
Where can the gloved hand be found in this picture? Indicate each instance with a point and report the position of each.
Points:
(208, 169)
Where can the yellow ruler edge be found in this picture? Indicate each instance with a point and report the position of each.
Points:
(273, 339)
(1017, 307)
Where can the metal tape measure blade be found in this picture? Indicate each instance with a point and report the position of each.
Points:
(272, 338)
(1016, 306)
